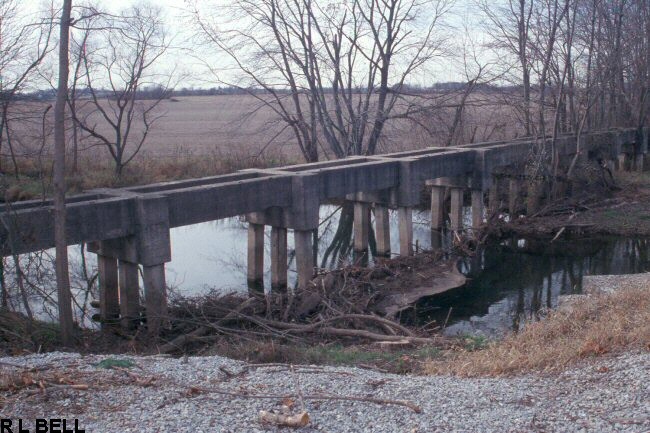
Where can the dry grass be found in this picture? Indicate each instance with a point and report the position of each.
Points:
(35, 178)
(599, 324)
(239, 124)
(206, 135)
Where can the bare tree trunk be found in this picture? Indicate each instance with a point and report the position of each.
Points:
(62, 271)
(3, 286)
(523, 21)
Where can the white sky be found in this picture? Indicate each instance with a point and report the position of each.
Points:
(464, 17)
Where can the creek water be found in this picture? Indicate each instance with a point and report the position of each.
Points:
(213, 255)
(510, 282)
(515, 281)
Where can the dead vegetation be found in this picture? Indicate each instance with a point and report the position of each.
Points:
(598, 325)
(349, 304)
(35, 179)
(19, 382)
(18, 332)
(621, 210)
(345, 317)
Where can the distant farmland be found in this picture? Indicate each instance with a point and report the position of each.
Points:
(236, 125)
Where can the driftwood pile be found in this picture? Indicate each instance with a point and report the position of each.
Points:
(342, 304)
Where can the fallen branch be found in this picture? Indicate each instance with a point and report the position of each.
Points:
(558, 234)
(405, 403)
(43, 387)
(180, 341)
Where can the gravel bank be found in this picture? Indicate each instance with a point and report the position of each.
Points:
(605, 395)
(595, 284)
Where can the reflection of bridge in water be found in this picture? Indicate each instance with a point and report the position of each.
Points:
(130, 227)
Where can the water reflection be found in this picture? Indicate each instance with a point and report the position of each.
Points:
(513, 282)
(213, 255)
(510, 282)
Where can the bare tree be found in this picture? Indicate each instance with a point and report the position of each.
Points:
(61, 245)
(508, 24)
(116, 58)
(24, 43)
(334, 73)
(589, 63)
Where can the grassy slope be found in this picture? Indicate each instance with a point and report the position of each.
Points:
(600, 324)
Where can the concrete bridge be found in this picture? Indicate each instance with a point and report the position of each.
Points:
(129, 227)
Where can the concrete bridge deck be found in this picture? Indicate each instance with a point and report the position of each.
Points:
(130, 226)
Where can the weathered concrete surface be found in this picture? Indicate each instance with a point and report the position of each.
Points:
(131, 225)
(255, 273)
(283, 197)
(382, 230)
(279, 258)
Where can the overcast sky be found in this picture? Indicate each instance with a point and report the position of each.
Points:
(463, 17)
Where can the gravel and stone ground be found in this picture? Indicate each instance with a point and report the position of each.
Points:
(158, 394)
(595, 284)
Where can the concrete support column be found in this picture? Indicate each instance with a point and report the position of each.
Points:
(109, 298)
(533, 199)
(494, 203)
(153, 248)
(129, 283)
(304, 257)
(382, 230)
(437, 207)
(513, 197)
(255, 272)
(405, 220)
(639, 162)
(155, 296)
(361, 226)
(436, 239)
(477, 208)
(622, 162)
(278, 258)
(456, 214)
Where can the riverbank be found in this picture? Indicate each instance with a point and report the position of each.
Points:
(585, 368)
(624, 211)
(614, 317)
(201, 394)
